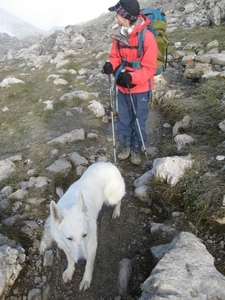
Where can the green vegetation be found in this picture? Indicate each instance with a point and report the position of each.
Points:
(199, 194)
(200, 35)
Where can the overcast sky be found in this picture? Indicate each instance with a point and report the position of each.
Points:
(46, 14)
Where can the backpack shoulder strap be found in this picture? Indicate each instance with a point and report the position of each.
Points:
(141, 41)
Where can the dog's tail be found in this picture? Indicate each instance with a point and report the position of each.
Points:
(115, 190)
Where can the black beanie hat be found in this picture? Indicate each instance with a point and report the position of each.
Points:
(128, 9)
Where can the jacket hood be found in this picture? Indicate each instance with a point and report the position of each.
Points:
(141, 23)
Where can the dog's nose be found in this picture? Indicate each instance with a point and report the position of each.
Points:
(81, 261)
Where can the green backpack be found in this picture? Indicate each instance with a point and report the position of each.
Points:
(158, 27)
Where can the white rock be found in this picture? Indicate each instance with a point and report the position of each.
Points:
(210, 74)
(52, 76)
(185, 272)
(141, 192)
(125, 274)
(143, 179)
(77, 159)
(10, 80)
(71, 137)
(182, 140)
(62, 63)
(11, 260)
(6, 191)
(60, 166)
(220, 157)
(83, 71)
(49, 104)
(18, 195)
(222, 126)
(171, 169)
(172, 94)
(79, 39)
(157, 228)
(183, 124)
(60, 81)
(80, 170)
(92, 136)
(7, 167)
(5, 109)
(97, 108)
(82, 95)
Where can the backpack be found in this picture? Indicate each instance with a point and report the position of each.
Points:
(158, 27)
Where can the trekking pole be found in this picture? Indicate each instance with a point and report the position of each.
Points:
(138, 124)
(111, 110)
(166, 57)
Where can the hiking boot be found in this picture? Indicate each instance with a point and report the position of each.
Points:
(124, 153)
(135, 158)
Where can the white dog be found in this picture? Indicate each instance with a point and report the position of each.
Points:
(73, 220)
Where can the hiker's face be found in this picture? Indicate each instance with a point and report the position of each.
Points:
(122, 21)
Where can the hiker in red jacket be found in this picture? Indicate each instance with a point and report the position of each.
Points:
(133, 75)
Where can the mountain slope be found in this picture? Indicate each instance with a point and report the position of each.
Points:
(16, 27)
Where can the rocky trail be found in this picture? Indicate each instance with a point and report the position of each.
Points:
(127, 239)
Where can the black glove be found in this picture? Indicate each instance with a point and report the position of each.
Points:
(124, 79)
(107, 68)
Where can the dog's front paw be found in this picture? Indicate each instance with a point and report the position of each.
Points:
(116, 212)
(68, 274)
(85, 284)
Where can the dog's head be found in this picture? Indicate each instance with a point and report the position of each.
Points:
(72, 229)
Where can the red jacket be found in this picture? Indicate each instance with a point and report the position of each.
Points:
(140, 77)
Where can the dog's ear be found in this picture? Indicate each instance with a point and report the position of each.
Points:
(56, 213)
(82, 205)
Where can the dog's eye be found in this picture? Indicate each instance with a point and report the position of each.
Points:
(84, 235)
(69, 238)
